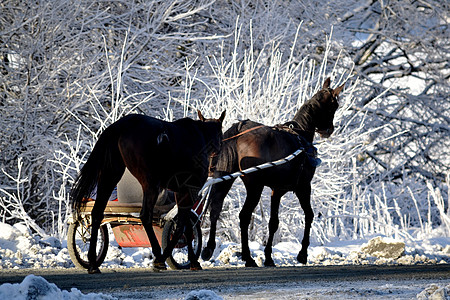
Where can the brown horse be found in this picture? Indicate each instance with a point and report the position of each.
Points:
(247, 144)
(172, 155)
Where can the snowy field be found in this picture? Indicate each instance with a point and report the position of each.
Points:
(19, 249)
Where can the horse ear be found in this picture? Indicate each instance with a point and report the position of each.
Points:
(338, 90)
(326, 84)
(200, 116)
(222, 116)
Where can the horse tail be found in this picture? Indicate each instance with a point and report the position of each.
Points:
(101, 161)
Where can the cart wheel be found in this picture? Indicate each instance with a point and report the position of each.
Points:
(78, 241)
(179, 257)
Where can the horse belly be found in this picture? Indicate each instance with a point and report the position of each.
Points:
(283, 177)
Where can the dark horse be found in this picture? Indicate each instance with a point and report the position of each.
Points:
(247, 144)
(172, 155)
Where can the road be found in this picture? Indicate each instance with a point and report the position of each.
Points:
(119, 280)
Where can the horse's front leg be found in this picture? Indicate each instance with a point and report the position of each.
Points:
(273, 226)
(184, 211)
(253, 195)
(146, 216)
(304, 196)
(217, 196)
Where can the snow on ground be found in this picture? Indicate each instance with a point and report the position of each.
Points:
(36, 287)
(20, 249)
(369, 289)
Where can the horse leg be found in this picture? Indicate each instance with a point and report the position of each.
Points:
(217, 195)
(304, 196)
(97, 218)
(194, 264)
(253, 196)
(184, 203)
(180, 229)
(273, 225)
(146, 216)
(105, 187)
(184, 215)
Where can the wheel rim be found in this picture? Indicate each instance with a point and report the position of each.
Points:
(180, 252)
(82, 241)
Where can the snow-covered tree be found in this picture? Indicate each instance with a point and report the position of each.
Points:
(68, 69)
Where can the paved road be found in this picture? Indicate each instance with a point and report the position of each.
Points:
(116, 280)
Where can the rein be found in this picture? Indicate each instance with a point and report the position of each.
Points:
(211, 167)
(243, 132)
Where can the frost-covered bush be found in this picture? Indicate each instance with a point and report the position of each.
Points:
(68, 69)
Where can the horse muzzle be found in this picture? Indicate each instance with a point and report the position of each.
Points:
(325, 133)
(212, 164)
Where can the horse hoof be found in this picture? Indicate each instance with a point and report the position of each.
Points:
(157, 269)
(207, 254)
(159, 266)
(196, 266)
(302, 258)
(94, 271)
(251, 264)
(269, 263)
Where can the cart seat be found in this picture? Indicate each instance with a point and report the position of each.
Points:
(115, 207)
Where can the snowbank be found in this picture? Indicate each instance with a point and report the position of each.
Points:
(20, 249)
(36, 287)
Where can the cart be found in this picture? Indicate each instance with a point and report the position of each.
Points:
(123, 219)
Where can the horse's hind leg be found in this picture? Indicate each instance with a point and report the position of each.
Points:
(217, 195)
(194, 264)
(105, 187)
(146, 216)
(304, 195)
(253, 195)
(176, 235)
(273, 225)
(184, 202)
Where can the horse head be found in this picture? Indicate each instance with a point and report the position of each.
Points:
(212, 131)
(327, 101)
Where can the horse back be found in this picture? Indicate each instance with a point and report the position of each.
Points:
(267, 144)
(152, 146)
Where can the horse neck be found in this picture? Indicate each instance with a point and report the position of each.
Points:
(305, 121)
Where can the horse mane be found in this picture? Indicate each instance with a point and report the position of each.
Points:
(304, 115)
(184, 122)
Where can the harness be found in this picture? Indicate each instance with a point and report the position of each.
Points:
(309, 149)
(243, 132)
(291, 127)
(211, 167)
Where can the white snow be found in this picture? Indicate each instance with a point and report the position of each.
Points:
(20, 249)
(36, 287)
